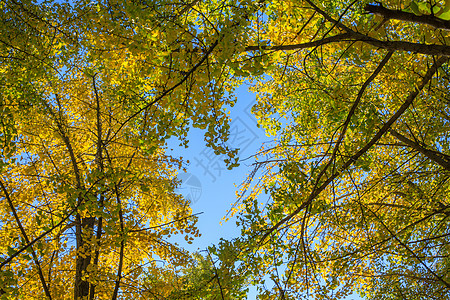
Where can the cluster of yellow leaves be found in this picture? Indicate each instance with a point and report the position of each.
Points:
(93, 91)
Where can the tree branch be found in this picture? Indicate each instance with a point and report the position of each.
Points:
(100, 167)
(353, 36)
(122, 245)
(439, 50)
(331, 39)
(433, 155)
(216, 276)
(406, 16)
(165, 224)
(24, 234)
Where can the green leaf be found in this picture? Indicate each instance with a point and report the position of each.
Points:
(415, 8)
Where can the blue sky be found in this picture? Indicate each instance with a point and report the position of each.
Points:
(208, 172)
(209, 183)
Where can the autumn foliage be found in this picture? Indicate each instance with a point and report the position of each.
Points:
(352, 195)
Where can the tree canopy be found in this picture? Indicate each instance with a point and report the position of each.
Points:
(351, 195)
(92, 90)
(356, 179)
